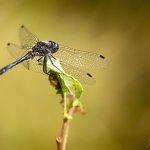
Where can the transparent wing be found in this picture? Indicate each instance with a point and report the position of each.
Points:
(81, 75)
(27, 39)
(34, 64)
(16, 51)
(81, 59)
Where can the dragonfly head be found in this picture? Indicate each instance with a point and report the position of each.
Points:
(53, 46)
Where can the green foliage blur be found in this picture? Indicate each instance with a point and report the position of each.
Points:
(117, 106)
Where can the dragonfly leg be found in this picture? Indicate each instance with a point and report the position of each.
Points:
(53, 63)
(53, 57)
(39, 59)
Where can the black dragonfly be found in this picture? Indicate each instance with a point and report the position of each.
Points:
(32, 51)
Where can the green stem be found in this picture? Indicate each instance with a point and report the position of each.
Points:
(65, 106)
(65, 136)
(67, 124)
(62, 138)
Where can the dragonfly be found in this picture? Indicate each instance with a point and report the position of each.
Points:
(32, 51)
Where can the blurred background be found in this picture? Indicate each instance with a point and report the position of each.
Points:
(117, 106)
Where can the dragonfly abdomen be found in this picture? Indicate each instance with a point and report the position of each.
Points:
(28, 56)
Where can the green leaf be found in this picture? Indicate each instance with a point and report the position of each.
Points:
(67, 83)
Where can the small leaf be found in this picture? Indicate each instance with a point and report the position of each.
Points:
(67, 83)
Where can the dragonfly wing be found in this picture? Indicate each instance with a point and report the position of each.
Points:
(16, 51)
(81, 59)
(27, 39)
(34, 64)
(81, 75)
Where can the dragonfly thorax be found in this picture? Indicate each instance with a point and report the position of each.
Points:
(44, 48)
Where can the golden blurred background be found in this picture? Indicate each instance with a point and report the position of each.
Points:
(117, 106)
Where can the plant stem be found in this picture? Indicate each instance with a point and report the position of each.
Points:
(62, 138)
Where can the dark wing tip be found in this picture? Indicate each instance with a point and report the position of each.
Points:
(101, 56)
(89, 75)
(8, 44)
(22, 26)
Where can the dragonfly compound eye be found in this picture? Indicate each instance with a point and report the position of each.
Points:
(53, 46)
